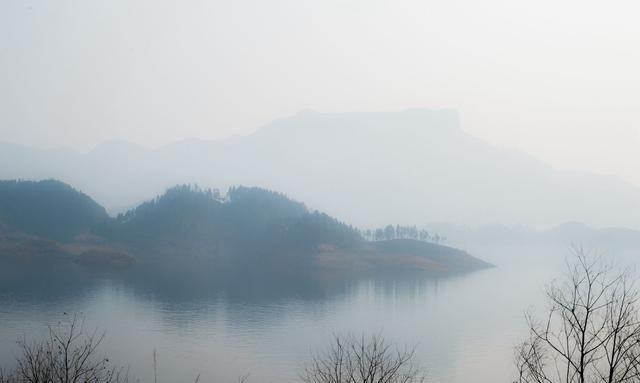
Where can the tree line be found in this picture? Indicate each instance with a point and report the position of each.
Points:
(390, 232)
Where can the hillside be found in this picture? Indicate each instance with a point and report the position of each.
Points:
(431, 256)
(247, 230)
(252, 230)
(49, 209)
(188, 221)
(405, 166)
(23, 250)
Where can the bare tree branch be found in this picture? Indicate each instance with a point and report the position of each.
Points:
(67, 355)
(592, 331)
(362, 360)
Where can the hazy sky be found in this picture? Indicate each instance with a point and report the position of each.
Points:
(556, 78)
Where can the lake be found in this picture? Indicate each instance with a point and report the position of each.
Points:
(465, 327)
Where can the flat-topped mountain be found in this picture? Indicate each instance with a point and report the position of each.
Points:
(385, 167)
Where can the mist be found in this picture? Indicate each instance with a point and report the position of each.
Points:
(542, 77)
(415, 166)
(276, 190)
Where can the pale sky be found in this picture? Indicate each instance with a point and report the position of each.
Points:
(558, 79)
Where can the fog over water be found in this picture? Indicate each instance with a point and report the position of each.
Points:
(464, 327)
(230, 185)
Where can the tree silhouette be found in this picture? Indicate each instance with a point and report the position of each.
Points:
(591, 332)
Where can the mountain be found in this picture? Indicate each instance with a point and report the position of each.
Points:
(24, 250)
(370, 169)
(186, 220)
(248, 231)
(49, 209)
(257, 231)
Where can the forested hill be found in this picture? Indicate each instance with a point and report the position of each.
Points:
(49, 209)
(246, 230)
(245, 220)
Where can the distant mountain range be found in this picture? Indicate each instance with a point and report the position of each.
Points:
(247, 231)
(565, 235)
(369, 169)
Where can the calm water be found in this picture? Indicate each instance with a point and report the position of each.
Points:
(465, 327)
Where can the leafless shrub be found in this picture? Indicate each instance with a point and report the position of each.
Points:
(592, 331)
(360, 360)
(6, 378)
(67, 355)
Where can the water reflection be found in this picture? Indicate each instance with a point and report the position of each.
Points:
(464, 326)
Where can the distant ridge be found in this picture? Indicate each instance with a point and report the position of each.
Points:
(566, 235)
(441, 120)
(370, 169)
